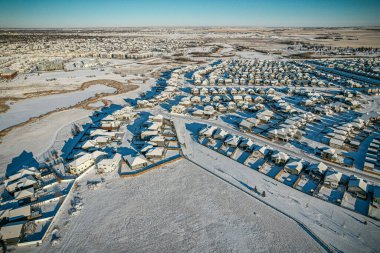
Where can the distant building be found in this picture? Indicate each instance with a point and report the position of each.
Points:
(50, 65)
(8, 73)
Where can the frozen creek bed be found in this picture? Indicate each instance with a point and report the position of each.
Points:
(23, 110)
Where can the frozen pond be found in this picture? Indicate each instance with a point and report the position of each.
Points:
(25, 109)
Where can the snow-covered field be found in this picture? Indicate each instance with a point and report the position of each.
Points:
(35, 138)
(20, 112)
(179, 208)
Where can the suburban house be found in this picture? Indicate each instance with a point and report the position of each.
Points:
(333, 179)
(25, 182)
(185, 102)
(358, 187)
(145, 104)
(279, 158)
(207, 131)
(20, 213)
(283, 134)
(261, 152)
(23, 172)
(198, 113)
(317, 170)
(247, 124)
(294, 167)
(158, 140)
(84, 162)
(147, 134)
(110, 125)
(247, 145)
(220, 134)
(221, 108)
(209, 111)
(136, 161)
(108, 165)
(155, 153)
(328, 154)
(232, 141)
(336, 142)
(12, 232)
(179, 109)
(25, 195)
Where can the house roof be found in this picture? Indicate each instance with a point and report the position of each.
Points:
(154, 126)
(22, 173)
(198, 112)
(101, 139)
(84, 158)
(89, 144)
(332, 175)
(294, 165)
(358, 182)
(25, 181)
(208, 130)
(146, 147)
(266, 113)
(108, 118)
(24, 193)
(12, 230)
(336, 142)
(20, 212)
(247, 142)
(281, 155)
(155, 151)
(221, 132)
(101, 132)
(80, 160)
(158, 117)
(233, 140)
(157, 138)
(134, 160)
(318, 167)
(245, 123)
(329, 150)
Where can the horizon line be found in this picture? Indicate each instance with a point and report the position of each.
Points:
(184, 26)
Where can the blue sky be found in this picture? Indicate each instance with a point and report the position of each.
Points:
(119, 13)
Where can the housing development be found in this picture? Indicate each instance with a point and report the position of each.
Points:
(190, 139)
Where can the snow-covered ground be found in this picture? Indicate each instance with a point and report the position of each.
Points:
(340, 228)
(35, 138)
(186, 207)
(179, 208)
(258, 55)
(20, 112)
